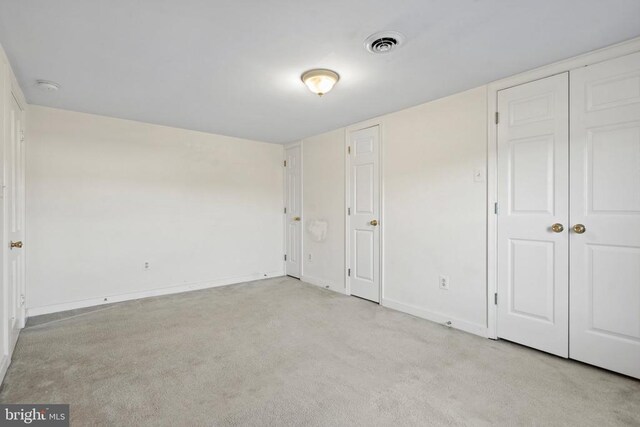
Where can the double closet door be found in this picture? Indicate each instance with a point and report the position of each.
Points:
(569, 214)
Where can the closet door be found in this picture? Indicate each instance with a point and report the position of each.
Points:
(605, 215)
(293, 211)
(533, 202)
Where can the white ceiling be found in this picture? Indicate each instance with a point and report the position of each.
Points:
(232, 67)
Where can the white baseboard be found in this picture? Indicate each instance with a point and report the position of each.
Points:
(322, 283)
(463, 325)
(4, 365)
(54, 308)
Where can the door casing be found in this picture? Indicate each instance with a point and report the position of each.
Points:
(347, 195)
(12, 92)
(299, 144)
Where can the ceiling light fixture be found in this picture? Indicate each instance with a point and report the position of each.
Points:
(320, 81)
(47, 86)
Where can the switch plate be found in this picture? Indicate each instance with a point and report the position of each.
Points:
(443, 283)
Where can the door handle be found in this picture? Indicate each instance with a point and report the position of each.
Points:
(579, 228)
(374, 222)
(296, 218)
(17, 244)
(557, 228)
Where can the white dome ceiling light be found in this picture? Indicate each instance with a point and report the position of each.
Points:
(384, 42)
(47, 85)
(320, 80)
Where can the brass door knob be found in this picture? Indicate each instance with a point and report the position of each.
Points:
(557, 228)
(374, 222)
(579, 228)
(15, 245)
(296, 218)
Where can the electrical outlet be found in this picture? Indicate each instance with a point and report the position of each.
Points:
(444, 282)
(309, 258)
(147, 265)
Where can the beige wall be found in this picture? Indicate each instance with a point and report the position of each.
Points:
(434, 211)
(106, 195)
(323, 204)
(203, 208)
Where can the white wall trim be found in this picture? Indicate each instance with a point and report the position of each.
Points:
(590, 58)
(463, 325)
(323, 283)
(54, 308)
(16, 92)
(347, 222)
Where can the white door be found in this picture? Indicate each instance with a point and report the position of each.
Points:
(364, 210)
(605, 215)
(293, 211)
(533, 202)
(14, 225)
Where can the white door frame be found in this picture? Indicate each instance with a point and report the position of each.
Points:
(614, 51)
(12, 90)
(284, 200)
(347, 201)
(22, 291)
(9, 89)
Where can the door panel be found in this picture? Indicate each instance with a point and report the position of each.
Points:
(364, 189)
(531, 169)
(615, 154)
(533, 150)
(364, 247)
(532, 292)
(364, 257)
(293, 216)
(605, 198)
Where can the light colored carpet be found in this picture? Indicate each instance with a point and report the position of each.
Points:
(281, 352)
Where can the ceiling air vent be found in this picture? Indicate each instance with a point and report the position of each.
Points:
(383, 42)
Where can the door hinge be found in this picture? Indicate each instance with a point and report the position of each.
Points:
(21, 135)
(349, 272)
(285, 257)
(285, 210)
(349, 149)
(497, 117)
(495, 208)
(348, 211)
(285, 163)
(22, 300)
(495, 298)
